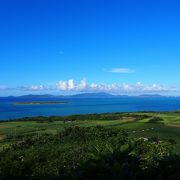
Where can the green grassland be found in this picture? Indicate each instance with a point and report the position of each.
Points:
(168, 127)
(92, 146)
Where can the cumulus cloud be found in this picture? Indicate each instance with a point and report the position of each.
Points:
(138, 87)
(122, 70)
(83, 84)
(71, 85)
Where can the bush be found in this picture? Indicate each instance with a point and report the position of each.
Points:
(88, 153)
(156, 120)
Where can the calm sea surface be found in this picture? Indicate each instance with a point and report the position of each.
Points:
(9, 110)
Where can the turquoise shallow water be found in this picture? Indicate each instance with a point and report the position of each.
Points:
(8, 110)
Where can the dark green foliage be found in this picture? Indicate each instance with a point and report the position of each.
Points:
(172, 141)
(104, 116)
(156, 120)
(89, 153)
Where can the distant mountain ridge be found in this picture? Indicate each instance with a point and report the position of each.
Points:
(39, 96)
(93, 95)
(151, 95)
(83, 95)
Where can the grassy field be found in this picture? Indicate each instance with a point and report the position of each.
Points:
(167, 128)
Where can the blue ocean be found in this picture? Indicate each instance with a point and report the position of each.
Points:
(10, 110)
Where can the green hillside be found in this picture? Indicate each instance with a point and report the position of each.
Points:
(117, 145)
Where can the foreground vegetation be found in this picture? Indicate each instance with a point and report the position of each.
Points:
(97, 146)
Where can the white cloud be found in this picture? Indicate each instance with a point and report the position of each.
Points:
(138, 87)
(71, 85)
(122, 70)
(36, 88)
(115, 88)
(33, 88)
(83, 84)
(62, 85)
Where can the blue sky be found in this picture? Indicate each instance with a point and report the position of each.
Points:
(68, 46)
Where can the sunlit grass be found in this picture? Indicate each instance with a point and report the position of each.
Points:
(167, 129)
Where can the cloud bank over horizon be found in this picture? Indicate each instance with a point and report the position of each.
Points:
(71, 86)
(115, 88)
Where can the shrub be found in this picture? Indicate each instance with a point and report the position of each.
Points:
(156, 120)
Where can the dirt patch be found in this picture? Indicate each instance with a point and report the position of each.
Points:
(173, 125)
(3, 126)
(2, 137)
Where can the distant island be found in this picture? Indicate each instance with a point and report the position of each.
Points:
(82, 96)
(37, 103)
